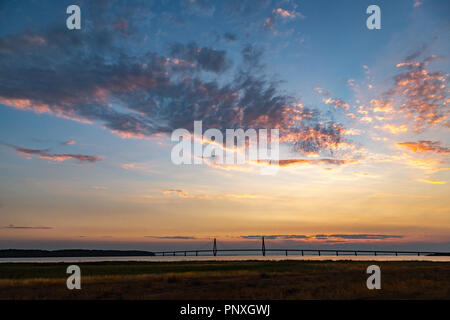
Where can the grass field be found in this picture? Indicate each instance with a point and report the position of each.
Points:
(227, 280)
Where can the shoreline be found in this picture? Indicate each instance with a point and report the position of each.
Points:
(44, 260)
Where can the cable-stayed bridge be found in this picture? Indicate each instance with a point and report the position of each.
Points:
(214, 250)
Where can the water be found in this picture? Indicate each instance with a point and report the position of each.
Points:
(225, 258)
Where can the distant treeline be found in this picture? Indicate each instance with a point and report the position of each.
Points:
(16, 253)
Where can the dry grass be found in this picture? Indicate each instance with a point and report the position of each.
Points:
(320, 280)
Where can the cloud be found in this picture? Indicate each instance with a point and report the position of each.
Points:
(26, 151)
(255, 167)
(136, 96)
(417, 3)
(380, 105)
(182, 194)
(229, 36)
(288, 14)
(22, 42)
(178, 192)
(434, 181)
(205, 58)
(172, 237)
(429, 165)
(202, 195)
(325, 237)
(283, 14)
(425, 146)
(269, 23)
(313, 139)
(26, 227)
(68, 143)
(363, 236)
(95, 78)
(44, 154)
(419, 93)
(336, 102)
(275, 237)
(228, 196)
(291, 162)
(394, 129)
(67, 156)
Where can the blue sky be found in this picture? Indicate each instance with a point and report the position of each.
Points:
(86, 117)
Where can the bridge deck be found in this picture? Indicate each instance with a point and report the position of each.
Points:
(302, 252)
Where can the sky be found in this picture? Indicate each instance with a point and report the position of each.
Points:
(86, 118)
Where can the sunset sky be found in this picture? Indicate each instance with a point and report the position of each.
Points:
(86, 117)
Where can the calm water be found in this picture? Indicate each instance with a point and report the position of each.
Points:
(225, 258)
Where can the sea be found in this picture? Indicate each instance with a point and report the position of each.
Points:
(227, 258)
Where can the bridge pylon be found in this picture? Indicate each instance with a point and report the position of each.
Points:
(215, 247)
(263, 248)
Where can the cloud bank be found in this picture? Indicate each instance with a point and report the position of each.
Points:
(94, 78)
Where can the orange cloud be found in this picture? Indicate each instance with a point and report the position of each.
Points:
(338, 103)
(424, 146)
(177, 192)
(423, 94)
(287, 14)
(381, 105)
(394, 129)
(28, 105)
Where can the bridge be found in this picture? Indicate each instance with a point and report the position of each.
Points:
(286, 251)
